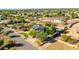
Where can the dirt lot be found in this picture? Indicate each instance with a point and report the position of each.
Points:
(59, 46)
(73, 31)
(51, 46)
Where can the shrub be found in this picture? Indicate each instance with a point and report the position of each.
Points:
(50, 28)
(25, 34)
(33, 33)
(1, 42)
(13, 48)
(42, 36)
(68, 39)
(64, 37)
(7, 41)
(64, 22)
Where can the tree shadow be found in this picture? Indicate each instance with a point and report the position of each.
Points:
(10, 46)
(19, 44)
(48, 40)
(51, 40)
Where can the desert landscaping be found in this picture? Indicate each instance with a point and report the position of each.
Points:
(39, 29)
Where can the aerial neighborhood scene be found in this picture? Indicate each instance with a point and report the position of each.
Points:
(39, 29)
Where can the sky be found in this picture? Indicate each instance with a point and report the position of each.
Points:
(38, 4)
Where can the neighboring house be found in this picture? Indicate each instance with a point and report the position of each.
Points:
(35, 18)
(52, 20)
(59, 30)
(10, 26)
(26, 21)
(57, 21)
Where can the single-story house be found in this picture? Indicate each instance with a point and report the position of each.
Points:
(38, 27)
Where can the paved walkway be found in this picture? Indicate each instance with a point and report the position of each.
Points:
(25, 45)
